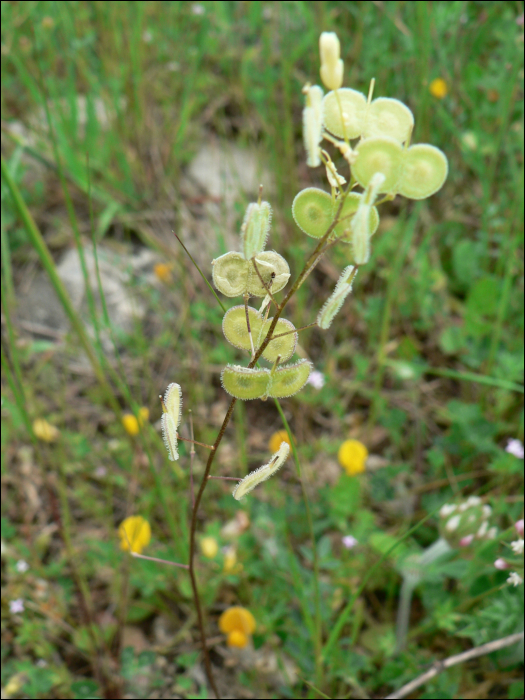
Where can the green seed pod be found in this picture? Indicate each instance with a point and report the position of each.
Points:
(255, 228)
(273, 269)
(245, 383)
(287, 381)
(424, 170)
(265, 472)
(313, 212)
(280, 347)
(380, 154)
(230, 274)
(334, 302)
(313, 124)
(388, 117)
(344, 113)
(343, 229)
(360, 225)
(170, 420)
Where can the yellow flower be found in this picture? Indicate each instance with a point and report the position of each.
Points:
(163, 272)
(134, 533)
(438, 88)
(276, 439)
(209, 547)
(133, 425)
(352, 457)
(239, 624)
(45, 431)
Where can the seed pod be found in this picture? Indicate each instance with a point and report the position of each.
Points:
(230, 274)
(235, 331)
(313, 125)
(313, 211)
(331, 65)
(255, 228)
(289, 380)
(344, 113)
(170, 420)
(263, 473)
(335, 301)
(245, 383)
(273, 269)
(380, 154)
(360, 225)
(280, 347)
(343, 229)
(424, 171)
(388, 117)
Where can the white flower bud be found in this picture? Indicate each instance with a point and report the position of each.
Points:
(514, 579)
(453, 523)
(447, 509)
(517, 546)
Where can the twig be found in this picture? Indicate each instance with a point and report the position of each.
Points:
(192, 455)
(160, 561)
(248, 323)
(225, 478)
(295, 330)
(457, 659)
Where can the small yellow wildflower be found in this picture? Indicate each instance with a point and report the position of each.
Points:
(239, 624)
(163, 272)
(209, 547)
(132, 425)
(276, 439)
(438, 88)
(134, 533)
(352, 457)
(45, 431)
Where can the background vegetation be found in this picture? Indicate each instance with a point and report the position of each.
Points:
(105, 108)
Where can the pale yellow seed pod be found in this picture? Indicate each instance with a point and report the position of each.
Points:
(273, 269)
(335, 301)
(288, 380)
(360, 225)
(313, 125)
(230, 274)
(244, 383)
(331, 64)
(170, 421)
(265, 472)
(255, 228)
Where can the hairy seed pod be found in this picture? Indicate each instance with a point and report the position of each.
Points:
(380, 154)
(335, 301)
(235, 331)
(360, 225)
(170, 420)
(230, 274)
(255, 228)
(274, 271)
(343, 229)
(331, 64)
(313, 211)
(280, 347)
(263, 473)
(344, 113)
(290, 379)
(388, 117)
(313, 125)
(245, 383)
(424, 171)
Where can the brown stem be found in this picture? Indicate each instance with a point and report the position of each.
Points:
(266, 286)
(195, 442)
(295, 330)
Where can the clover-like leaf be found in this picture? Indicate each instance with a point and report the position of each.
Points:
(273, 269)
(424, 171)
(350, 206)
(245, 383)
(312, 210)
(230, 274)
(335, 301)
(290, 379)
(170, 420)
(255, 228)
(265, 472)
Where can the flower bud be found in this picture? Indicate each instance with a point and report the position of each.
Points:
(331, 65)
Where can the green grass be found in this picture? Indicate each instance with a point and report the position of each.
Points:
(424, 364)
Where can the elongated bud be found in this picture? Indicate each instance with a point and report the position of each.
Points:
(334, 302)
(170, 421)
(313, 124)
(255, 228)
(331, 65)
(360, 226)
(265, 472)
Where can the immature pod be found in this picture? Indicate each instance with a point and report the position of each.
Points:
(170, 420)
(245, 383)
(283, 347)
(343, 230)
(312, 210)
(313, 124)
(263, 473)
(230, 274)
(235, 331)
(387, 116)
(380, 154)
(331, 65)
(424, 171)
(360, 225)
(273, 269)
(255, 228)
(335, 301)
(288, 380)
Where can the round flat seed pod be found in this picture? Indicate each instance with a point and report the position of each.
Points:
(344, 113)
(342, 230)
(230, 274)
(388, 117)
(280, 347)
(287, 381)
(380, 154)
(235, 328)
(244, 383)
(425, 169)
(312, 211)
(273, 269)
